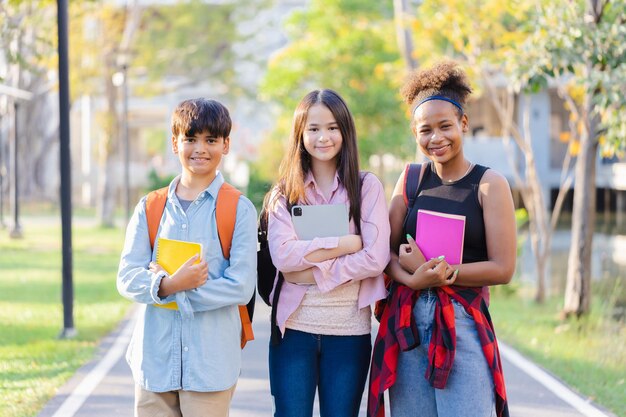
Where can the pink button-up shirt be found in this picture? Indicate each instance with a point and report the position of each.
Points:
(288, 253)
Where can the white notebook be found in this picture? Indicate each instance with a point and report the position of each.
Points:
(320, 220)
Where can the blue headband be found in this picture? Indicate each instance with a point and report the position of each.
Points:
(438, 97)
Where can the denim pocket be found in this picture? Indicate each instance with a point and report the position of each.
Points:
(460, 312)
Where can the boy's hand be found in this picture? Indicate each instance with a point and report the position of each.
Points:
(190, 276)
(155, 267)
(434, 273)
(410, 256)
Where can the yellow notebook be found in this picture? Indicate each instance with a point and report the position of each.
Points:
(171, 254)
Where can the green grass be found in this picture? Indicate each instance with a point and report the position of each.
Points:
(34, 362)
(587, 354)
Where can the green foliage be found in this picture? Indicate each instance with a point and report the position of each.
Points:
(160, 48)
(483, 34)
(189, 39)
(257, 188)
(156, 181)
(153, 141)
(586, 51)
(354, 53)
(33, 360)
(93, 54)
(521, 218)
(28, 35)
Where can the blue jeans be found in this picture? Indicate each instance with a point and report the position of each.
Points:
(336, 366)
(469, 390)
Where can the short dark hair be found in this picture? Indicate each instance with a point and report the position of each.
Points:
(200, 115)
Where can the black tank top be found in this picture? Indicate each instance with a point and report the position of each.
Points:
(459, 197)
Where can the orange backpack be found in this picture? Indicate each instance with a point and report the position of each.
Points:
(225, 215)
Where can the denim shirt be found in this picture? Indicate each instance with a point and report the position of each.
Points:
(195, 348)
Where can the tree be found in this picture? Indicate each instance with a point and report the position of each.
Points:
(190, 42)
(403, 33)
(581, 42)
(28, 36)
(353, 53)
(95, 60)
(196, 45)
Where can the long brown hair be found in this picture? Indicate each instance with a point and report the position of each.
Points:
(297, 162)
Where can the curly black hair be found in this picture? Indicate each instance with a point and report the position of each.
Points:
(445, 79)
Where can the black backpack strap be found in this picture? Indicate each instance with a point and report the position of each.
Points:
(411, 183)
(266, 273)
(411, 189)
(275, 331)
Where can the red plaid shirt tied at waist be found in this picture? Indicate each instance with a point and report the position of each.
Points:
(398, 331)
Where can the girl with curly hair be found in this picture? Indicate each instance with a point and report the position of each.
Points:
(436, 348)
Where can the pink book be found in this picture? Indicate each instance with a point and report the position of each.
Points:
(440, 234)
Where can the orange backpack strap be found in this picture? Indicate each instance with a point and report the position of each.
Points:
(412, 178)
(247, 334)
(155, 204)
(225, 217)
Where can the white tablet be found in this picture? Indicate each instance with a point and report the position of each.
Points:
(320, 220)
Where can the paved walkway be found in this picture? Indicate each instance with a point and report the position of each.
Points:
(104, 388)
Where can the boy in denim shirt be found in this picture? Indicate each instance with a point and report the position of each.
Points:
(187, 361)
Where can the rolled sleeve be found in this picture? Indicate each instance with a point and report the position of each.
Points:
(322, 275)
(154, 288)
(134, 281)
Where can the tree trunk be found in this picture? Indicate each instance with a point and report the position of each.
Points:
(110, 149)
(403, 33)
(536, 233)
(578, 286)
(541, 263)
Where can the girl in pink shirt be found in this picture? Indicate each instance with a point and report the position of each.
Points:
(323, 309)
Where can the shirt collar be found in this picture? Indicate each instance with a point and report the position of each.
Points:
(211, 190)
(215, 185)
(309, 180)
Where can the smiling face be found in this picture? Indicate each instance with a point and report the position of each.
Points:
(321, 137)
(200, 154)
(439, 131)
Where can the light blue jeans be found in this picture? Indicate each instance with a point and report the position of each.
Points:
(469, 390)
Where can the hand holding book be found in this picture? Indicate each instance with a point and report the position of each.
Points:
(410, 256)
(183, 261)
(192, 274)
(433, 273)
